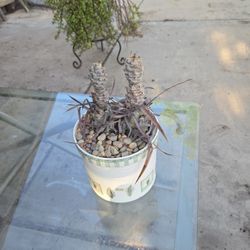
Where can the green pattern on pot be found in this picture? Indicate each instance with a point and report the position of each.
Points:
(146, 182)
(114, 163)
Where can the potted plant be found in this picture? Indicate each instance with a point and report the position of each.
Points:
(117, 137)
(84, 22)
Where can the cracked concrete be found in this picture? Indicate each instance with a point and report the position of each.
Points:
(208, 41)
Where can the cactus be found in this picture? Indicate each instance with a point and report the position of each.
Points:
(98, 78)
(134, 73)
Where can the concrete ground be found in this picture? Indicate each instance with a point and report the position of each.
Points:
(208, 41)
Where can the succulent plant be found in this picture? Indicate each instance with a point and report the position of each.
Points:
(117, 127)
(88, 20)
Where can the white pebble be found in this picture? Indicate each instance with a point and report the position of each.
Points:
(107, 153)
(133, 145)
(78, 136)
(114, 151)
(123, 149)
(90, 137)
(117, 144)
(100, 148)
(102, 154)
(95, 152)
(108, 142)
(101, 137)
(142, 145)
(126, 153)
(135, 150)
(112, 137)
(127, 141)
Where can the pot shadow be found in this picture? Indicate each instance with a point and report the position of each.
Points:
(128, 223)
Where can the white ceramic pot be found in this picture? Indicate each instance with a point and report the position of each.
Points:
(113, 179)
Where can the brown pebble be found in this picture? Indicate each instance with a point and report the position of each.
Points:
(88, 150)
(109, 142)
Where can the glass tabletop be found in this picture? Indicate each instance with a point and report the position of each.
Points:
(46, 201)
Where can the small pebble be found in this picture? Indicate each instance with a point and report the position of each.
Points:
(123, 149)
(87, 149)
(132, 145)
(100, 148)
(117, 144)
(127, 141)
(80, 141)
(90, 137)
(102, 154)
(142, 145)
(78, 136)
(112, 137)
(101, 137)
(88, 141)
(107, 153)
(95, 152)
(91, 132)
(114, 151)
(99, 143)
(126, 153)
(135, 150)
(109, 142)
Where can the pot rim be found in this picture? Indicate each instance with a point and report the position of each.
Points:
(110, 159)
